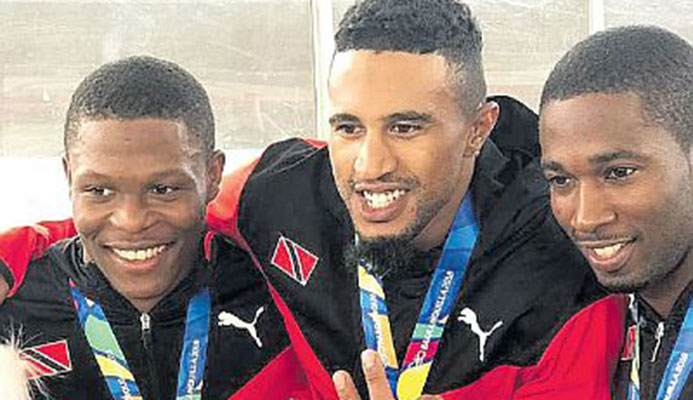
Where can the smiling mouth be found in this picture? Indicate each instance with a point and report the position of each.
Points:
(381, 200)
(143, 254)
(608, 257)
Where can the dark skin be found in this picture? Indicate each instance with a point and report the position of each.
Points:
(4, 290)
(390, 112)
(139, 190)
(624, 195)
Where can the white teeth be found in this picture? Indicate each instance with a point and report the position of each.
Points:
(141, 254)
(382, 199)
(608, 251)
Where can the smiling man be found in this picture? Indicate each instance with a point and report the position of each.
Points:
(411, 233)
(141, 304)
(625, 193)
(437, 207)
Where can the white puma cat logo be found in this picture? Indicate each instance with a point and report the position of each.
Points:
(468, 316)
(226, 319)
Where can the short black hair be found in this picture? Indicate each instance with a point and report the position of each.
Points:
(142, 87)
(444, 27)
(653, 63)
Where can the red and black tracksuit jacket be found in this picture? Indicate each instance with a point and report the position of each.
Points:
(43, 315)
(285, 211)
(655, 348)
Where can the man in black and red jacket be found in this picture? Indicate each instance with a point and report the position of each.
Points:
(141, 302)
(625, 195)
(410, 125)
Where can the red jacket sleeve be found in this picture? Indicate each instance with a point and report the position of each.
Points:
(578, 364)
(18, 246)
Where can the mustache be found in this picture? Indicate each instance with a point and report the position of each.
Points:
(599, 236)
(390, 178)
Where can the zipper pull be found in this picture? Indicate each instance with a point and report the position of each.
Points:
(146, 325)
(659, 334)
(145, 322)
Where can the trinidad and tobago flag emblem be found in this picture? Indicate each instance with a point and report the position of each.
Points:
(48, 359)
(294, 260)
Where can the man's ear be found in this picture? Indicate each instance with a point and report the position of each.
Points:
(215, 171)
(484, 120)
(67, 169)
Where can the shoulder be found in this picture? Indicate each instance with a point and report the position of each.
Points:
(290, 154)
(235, 276)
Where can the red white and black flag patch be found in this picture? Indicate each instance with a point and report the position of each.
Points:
(48, 359)
(294, 260)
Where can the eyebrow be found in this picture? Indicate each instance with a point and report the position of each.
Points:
(343, 117)
(605, 158)
(413, 116)
(551, 166)
(171, 173)
(598, 159)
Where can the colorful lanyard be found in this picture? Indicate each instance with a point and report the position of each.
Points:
(678, 367)
(114, 367)
(408, 382)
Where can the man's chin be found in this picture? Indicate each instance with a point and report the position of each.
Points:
(382, 253)
(621, 284)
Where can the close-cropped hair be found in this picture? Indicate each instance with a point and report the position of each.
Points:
(142, 87)
(443, 27)
(654, 64)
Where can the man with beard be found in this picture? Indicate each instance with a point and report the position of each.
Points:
(625, 194)
(411, 233)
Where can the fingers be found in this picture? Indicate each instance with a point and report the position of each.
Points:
(345, 386)
(376, 379)
(4, 289)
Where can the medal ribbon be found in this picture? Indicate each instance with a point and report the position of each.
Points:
(407, 382)
(678, 367)
(114, 367)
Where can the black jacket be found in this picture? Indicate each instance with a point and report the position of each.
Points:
(524, 271)
(654, 352)
(43, 312)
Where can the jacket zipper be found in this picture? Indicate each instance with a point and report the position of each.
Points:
(653, 373)
(146, 325)
(659, 334)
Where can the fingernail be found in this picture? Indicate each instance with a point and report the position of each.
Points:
(339, 381)
(368, 359)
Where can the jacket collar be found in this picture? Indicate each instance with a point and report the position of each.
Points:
(94, 285)
(678, 311)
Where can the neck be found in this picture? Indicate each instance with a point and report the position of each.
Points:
(436, 231)
(662, 295)
(145, 305)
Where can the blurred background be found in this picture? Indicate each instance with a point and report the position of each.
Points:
(263, 62)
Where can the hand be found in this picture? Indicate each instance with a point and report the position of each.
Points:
(376, 380)
(4, 289)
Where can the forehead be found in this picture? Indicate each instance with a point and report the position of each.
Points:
(365, 82)
(588, 125)
(129, 146)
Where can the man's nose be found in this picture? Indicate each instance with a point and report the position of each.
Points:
(132, 214)
(592, 209)
(375, 158)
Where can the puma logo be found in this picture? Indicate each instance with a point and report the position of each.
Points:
(228, 319)
(468, 316)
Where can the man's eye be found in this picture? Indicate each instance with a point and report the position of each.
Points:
(163, 190)
(405, 128)
(559, 181)
(347, 129)
(619, 173)
(98, 191)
